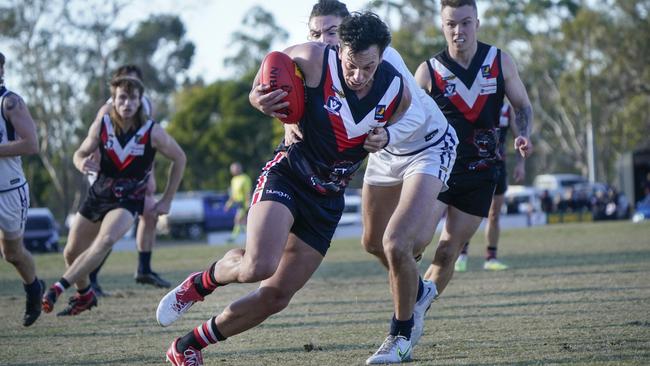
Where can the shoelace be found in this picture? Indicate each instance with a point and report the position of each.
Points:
(388, 345)
(192, 358)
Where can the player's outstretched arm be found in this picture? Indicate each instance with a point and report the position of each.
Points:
(18, 115)
(170, 149)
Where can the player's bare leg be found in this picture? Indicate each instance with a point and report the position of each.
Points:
(14, 252)
(113, 227)
(459, 228)
(266, 239)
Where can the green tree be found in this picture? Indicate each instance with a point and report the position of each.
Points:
(67, 51)
(216, 124)
(254, 41)
(417, 36)
(581, 62)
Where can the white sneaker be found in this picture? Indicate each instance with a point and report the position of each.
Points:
(178, 301)
(395, 349)
(429, 293)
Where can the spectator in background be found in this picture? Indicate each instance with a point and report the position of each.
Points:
(547, 202)
(240, 196)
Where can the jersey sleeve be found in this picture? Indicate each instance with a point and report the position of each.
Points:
(414, 116)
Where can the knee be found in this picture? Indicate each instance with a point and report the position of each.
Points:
(13, 254)
(104, 242)
(69, 255)
(273, 300)
(372, 246)
(396, 249)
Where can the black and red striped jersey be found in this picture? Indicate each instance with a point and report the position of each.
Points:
(471, 99)
(336, 122)
(128, 155)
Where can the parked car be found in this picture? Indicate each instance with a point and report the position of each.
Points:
(41, 231)
(521, 200)
(557, 183)
(194, 213)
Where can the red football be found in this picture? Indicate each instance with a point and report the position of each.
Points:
(280, 72)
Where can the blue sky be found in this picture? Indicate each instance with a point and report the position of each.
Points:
(210, 24)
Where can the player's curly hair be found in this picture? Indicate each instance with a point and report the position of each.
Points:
(329, 7)
(360, 31)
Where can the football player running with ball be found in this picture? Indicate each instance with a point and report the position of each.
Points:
(400, 186)
(298, 200)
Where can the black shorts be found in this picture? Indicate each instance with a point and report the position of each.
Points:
(470, 193)
(502, 178)
(94, 207)
(315, 215)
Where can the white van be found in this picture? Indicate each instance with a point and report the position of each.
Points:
(557, 183)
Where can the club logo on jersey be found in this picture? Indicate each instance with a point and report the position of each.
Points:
(485, 71)
(448, 77)
(333, 105)
(450, 89)
(380, 112)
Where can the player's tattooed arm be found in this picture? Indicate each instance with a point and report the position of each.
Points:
(523, 117)
(17, 113)
(13, 102)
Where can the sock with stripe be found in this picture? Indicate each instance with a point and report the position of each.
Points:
(201, 336)
(60, 286)
(205, 282)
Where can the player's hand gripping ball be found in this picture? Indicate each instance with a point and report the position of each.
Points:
(280, 72)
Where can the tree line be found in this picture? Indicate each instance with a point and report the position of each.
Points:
(583, 62)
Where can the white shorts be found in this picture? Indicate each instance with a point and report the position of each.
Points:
(386, 169)
(13, 212)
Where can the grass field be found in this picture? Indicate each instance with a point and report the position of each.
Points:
(575, 295)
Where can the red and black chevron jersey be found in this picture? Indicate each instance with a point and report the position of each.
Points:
(129, 155)
(336, 122)
(471, 99)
